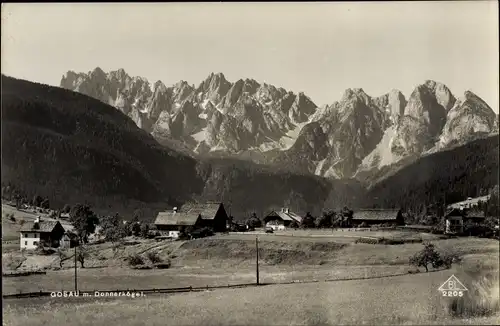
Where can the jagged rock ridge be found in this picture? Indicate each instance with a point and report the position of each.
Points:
(355, 136)
(215, 116)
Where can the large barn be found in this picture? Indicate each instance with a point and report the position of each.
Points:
(212, 215)
(170, 223)
(377, 216)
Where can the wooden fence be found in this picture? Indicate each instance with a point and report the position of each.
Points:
(194, 289)
(25, 273)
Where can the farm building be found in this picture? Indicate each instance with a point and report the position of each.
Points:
(377, 216)
(170, 223)
(32, 233)
(212, 215)
(456, 219)
(279, 220)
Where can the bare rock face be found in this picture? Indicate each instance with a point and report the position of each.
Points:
(352, 130)
(357, 134)
(248, 115)
(424, 118)
(393, 103)
(470, 118)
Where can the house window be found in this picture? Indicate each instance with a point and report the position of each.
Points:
(25, 243)
(35, 243)
(26, 235)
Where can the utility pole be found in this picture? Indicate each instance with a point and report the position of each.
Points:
(257, 258)
(76, 276)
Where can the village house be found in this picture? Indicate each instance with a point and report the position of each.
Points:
(170, 223)
(32, 233)
(282, 219)
(457, 218)
(377, 216)
(212, 215)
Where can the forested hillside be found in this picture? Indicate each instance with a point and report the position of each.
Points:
(71, 148)
(470, 170)
(247, 187)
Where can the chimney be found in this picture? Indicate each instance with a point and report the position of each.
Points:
(287, 211)
(37, 219)
(282, 209)
(175, 209)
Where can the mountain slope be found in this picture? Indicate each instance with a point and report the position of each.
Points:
(453, 174)
(72, 148)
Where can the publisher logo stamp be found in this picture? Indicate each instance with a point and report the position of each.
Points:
(452, 287)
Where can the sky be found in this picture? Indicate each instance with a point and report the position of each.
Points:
(318, 48)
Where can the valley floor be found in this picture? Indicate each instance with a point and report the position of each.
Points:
(397, 298)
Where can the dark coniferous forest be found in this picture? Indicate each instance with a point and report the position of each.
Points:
(445, 177)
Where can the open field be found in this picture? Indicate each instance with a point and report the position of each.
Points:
(231, 260)
(334, 233)
(405, 300)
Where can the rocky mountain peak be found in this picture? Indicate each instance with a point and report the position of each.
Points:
(442, 93)
(393, 103)
(98, 73)
(119, 74)
(160, 87)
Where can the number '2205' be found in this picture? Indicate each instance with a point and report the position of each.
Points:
(453, 293)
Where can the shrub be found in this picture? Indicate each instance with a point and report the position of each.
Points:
(140, 266)
(134, 260)
(429, 255)
(254, 221)
(66, 208)
(163, 265)
(11, 217)
(153, 257)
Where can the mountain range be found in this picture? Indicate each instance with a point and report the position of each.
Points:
(358, 136)
(72, 148)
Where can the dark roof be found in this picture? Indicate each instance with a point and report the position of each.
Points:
(43, 226)
(376, 214)
(176, 218)
(455, 212)
(286, 216)
(206, 211)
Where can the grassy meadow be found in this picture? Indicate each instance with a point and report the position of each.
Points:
(408, 299)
